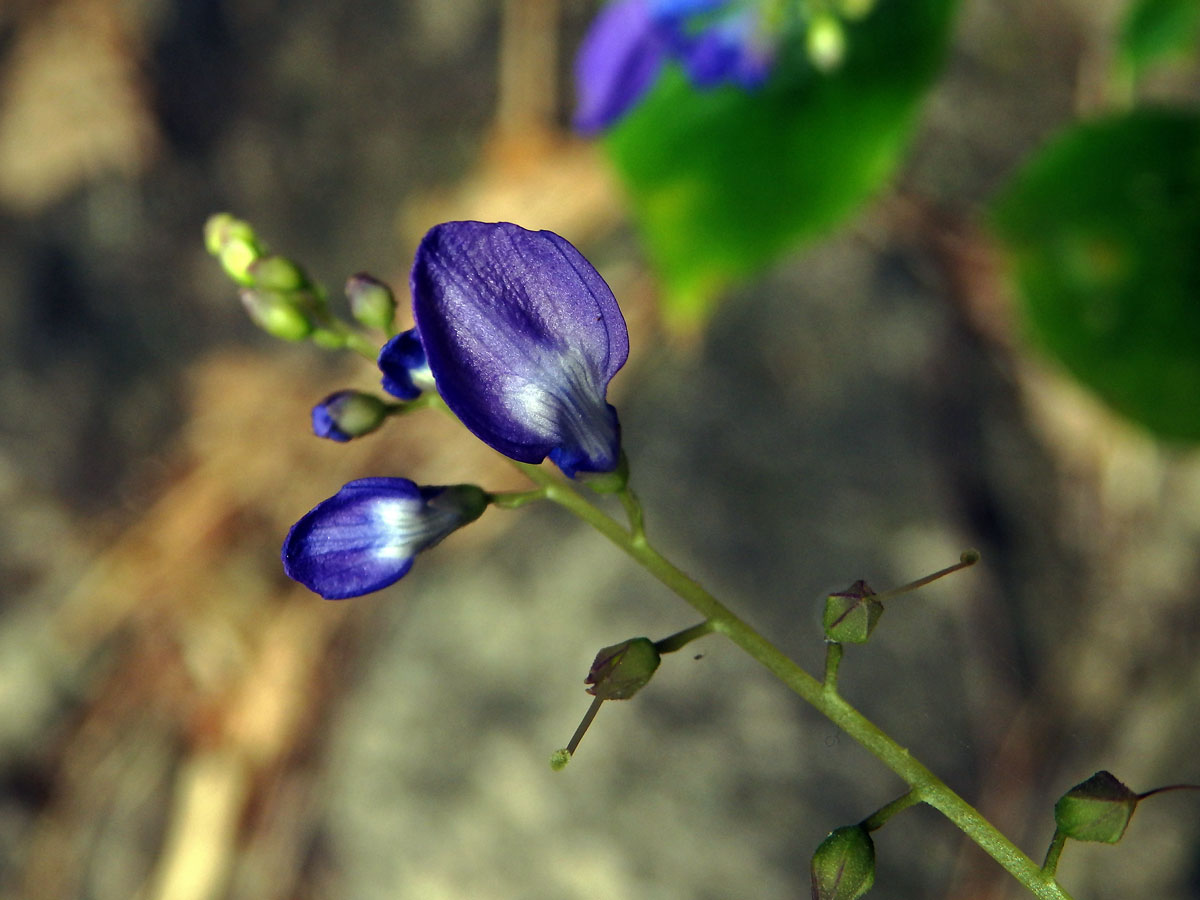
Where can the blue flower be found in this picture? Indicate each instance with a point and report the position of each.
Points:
(623, 53)
(365, 536)
(522, 336)
(404, 366)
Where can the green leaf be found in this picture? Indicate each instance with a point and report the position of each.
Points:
(724, 181)
(1103, 233)
(1156, 30)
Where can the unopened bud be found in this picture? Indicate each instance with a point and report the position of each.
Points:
(348, 414)
(1098, 809)
(234, 243)
(855, 9)
(851, 615)
(372, 302)
(277, 273)
(280, 315)
(620, 671)
(826, 42)
(843, 866)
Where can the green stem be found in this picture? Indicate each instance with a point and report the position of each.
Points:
(878, 819)
(516, 499)
(926, 786)
(584, 724)
(1054, 851)
(681, 639)
(833, 660)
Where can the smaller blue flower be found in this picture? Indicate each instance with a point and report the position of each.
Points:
(345, 415)
(729, 51)
(522, 337)
(404, 366)
(622, 55)
(365, 536)
(618, 62)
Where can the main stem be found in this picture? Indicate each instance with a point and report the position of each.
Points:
(927, 786)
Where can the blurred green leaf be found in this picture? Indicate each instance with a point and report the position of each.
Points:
(724, 181)
(1155, 30)
(1103, 230)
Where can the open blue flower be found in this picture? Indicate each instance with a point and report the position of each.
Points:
(365, 536)
(522, 336)
(716, 41)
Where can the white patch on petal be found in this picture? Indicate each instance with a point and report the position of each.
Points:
(400, 521)
(565, 406)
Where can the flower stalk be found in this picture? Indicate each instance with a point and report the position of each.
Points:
(925, 786)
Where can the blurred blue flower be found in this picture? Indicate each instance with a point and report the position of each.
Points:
(623, 53)
(522, 336)
(365, 536)
(404, 366)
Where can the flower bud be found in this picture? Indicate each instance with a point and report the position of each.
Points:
(234, 243)
(348, 414)
(843, 866)
(853, 10)
(404, 366)
(372, 302)
(1098, 809)
(825, 42)
(851, 615)
(277, 273)
(279, 314)
(366, 536)
(620, 671)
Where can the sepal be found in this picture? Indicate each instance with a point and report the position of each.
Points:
(851, 615)
(620, 671)
(1098, 809)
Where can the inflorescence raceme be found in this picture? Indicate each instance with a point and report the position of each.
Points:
(518, 336)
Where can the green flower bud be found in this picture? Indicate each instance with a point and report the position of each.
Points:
(372, 302)
(825, 42)
(855, 9)
(1098, 809)
(620, 671)
(222, 228)
(234, 243)
(277, 273)
(280, 315)
(843, 867)
(851, 615)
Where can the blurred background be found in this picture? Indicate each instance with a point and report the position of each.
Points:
(180, 722)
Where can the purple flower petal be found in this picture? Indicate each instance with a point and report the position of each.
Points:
(618, 62)
(727, 51)
(522, 337)
(404, 367)
(365, 536)
(324, 422)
